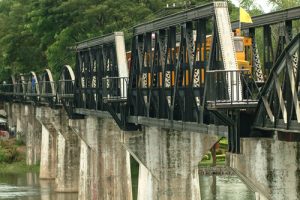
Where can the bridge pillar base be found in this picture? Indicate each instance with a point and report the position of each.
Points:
(33, 137)
(67, 162)
(104, 164)
(48, 154)
(168, 162)
(49, 143)
(68, 154)
(270, 167)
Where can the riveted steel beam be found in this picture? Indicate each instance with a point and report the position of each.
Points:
(176, 19)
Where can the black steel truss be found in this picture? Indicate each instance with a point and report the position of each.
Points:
(167, 76)
(278, 108)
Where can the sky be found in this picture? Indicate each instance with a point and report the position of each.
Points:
(262, 3)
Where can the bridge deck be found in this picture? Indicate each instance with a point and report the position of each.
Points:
(225, 104)
(212, 129)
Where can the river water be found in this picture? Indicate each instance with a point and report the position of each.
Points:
(30, 187)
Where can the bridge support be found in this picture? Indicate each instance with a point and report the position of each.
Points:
(33, 137)
(49, 143)
(269, 166)
(28, 129)
(104, 164)
(10, 109)
(68, 155)
(168, 162)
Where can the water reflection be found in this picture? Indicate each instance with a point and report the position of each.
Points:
(30, 187)
(224, 187)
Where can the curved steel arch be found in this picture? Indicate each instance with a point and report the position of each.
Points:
(278, 107)
(47, 87)
(65, 90)
(66, 82)
(67, 70)
(20, 88)
(33, 87)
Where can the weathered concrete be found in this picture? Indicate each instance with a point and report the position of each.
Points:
(21, 114)
(33, 137)
(271, 167)
(168, 162)
(28, 129)
(68, 155)
(49, 143)
(104, 163)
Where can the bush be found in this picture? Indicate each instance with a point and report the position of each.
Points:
(20, 142)
(8, 153)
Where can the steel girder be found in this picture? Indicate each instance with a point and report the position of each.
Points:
(278, 108)
(280, 23)
(167, 76)
(100, 65)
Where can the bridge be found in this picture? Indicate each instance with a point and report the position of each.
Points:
(165, 103)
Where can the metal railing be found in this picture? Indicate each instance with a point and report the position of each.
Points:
(231, 87)
(114, 89)
(7, 89)
(65, 88)
(47, 88)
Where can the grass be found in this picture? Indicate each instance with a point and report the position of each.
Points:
(207, 160)
(13, 157)
(17, 167)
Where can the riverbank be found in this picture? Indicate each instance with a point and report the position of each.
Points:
(217, 170)
(13, 157)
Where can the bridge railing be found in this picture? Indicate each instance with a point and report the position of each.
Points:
(65, 89)
(6, 89)
(114, 89)
(47, 88)
(225, 89)
(47, 91)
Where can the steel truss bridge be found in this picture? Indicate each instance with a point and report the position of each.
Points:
(173, 78)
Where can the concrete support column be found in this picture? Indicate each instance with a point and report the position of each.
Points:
(104, 163)
(49, 143)
(68, 156)
(11, 119)
(146, 184)
(33, 137)
(271, 167)
(168, 162)
(48, 153)
(21, 116)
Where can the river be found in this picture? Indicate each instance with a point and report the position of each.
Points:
(30, 187)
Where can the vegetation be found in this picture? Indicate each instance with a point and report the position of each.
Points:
(12, 157)
(221, 149)
(35, 34)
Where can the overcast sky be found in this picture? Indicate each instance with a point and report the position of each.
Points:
(263, 3)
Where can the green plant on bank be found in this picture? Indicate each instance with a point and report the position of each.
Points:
(13, 158)
(207, 159)
(18, 167)
(19, 142)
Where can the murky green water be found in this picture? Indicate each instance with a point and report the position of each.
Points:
(225, 187)
(30, 187)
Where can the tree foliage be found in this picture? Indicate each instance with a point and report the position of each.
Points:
(35, 34)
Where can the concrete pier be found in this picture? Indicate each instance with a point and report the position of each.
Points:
(270, 167)
(28, 129)
(168, 162)
(49, 143)
(104, 164)
(33, 137)
(68, 155)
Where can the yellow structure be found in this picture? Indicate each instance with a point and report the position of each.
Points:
(243, 48)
